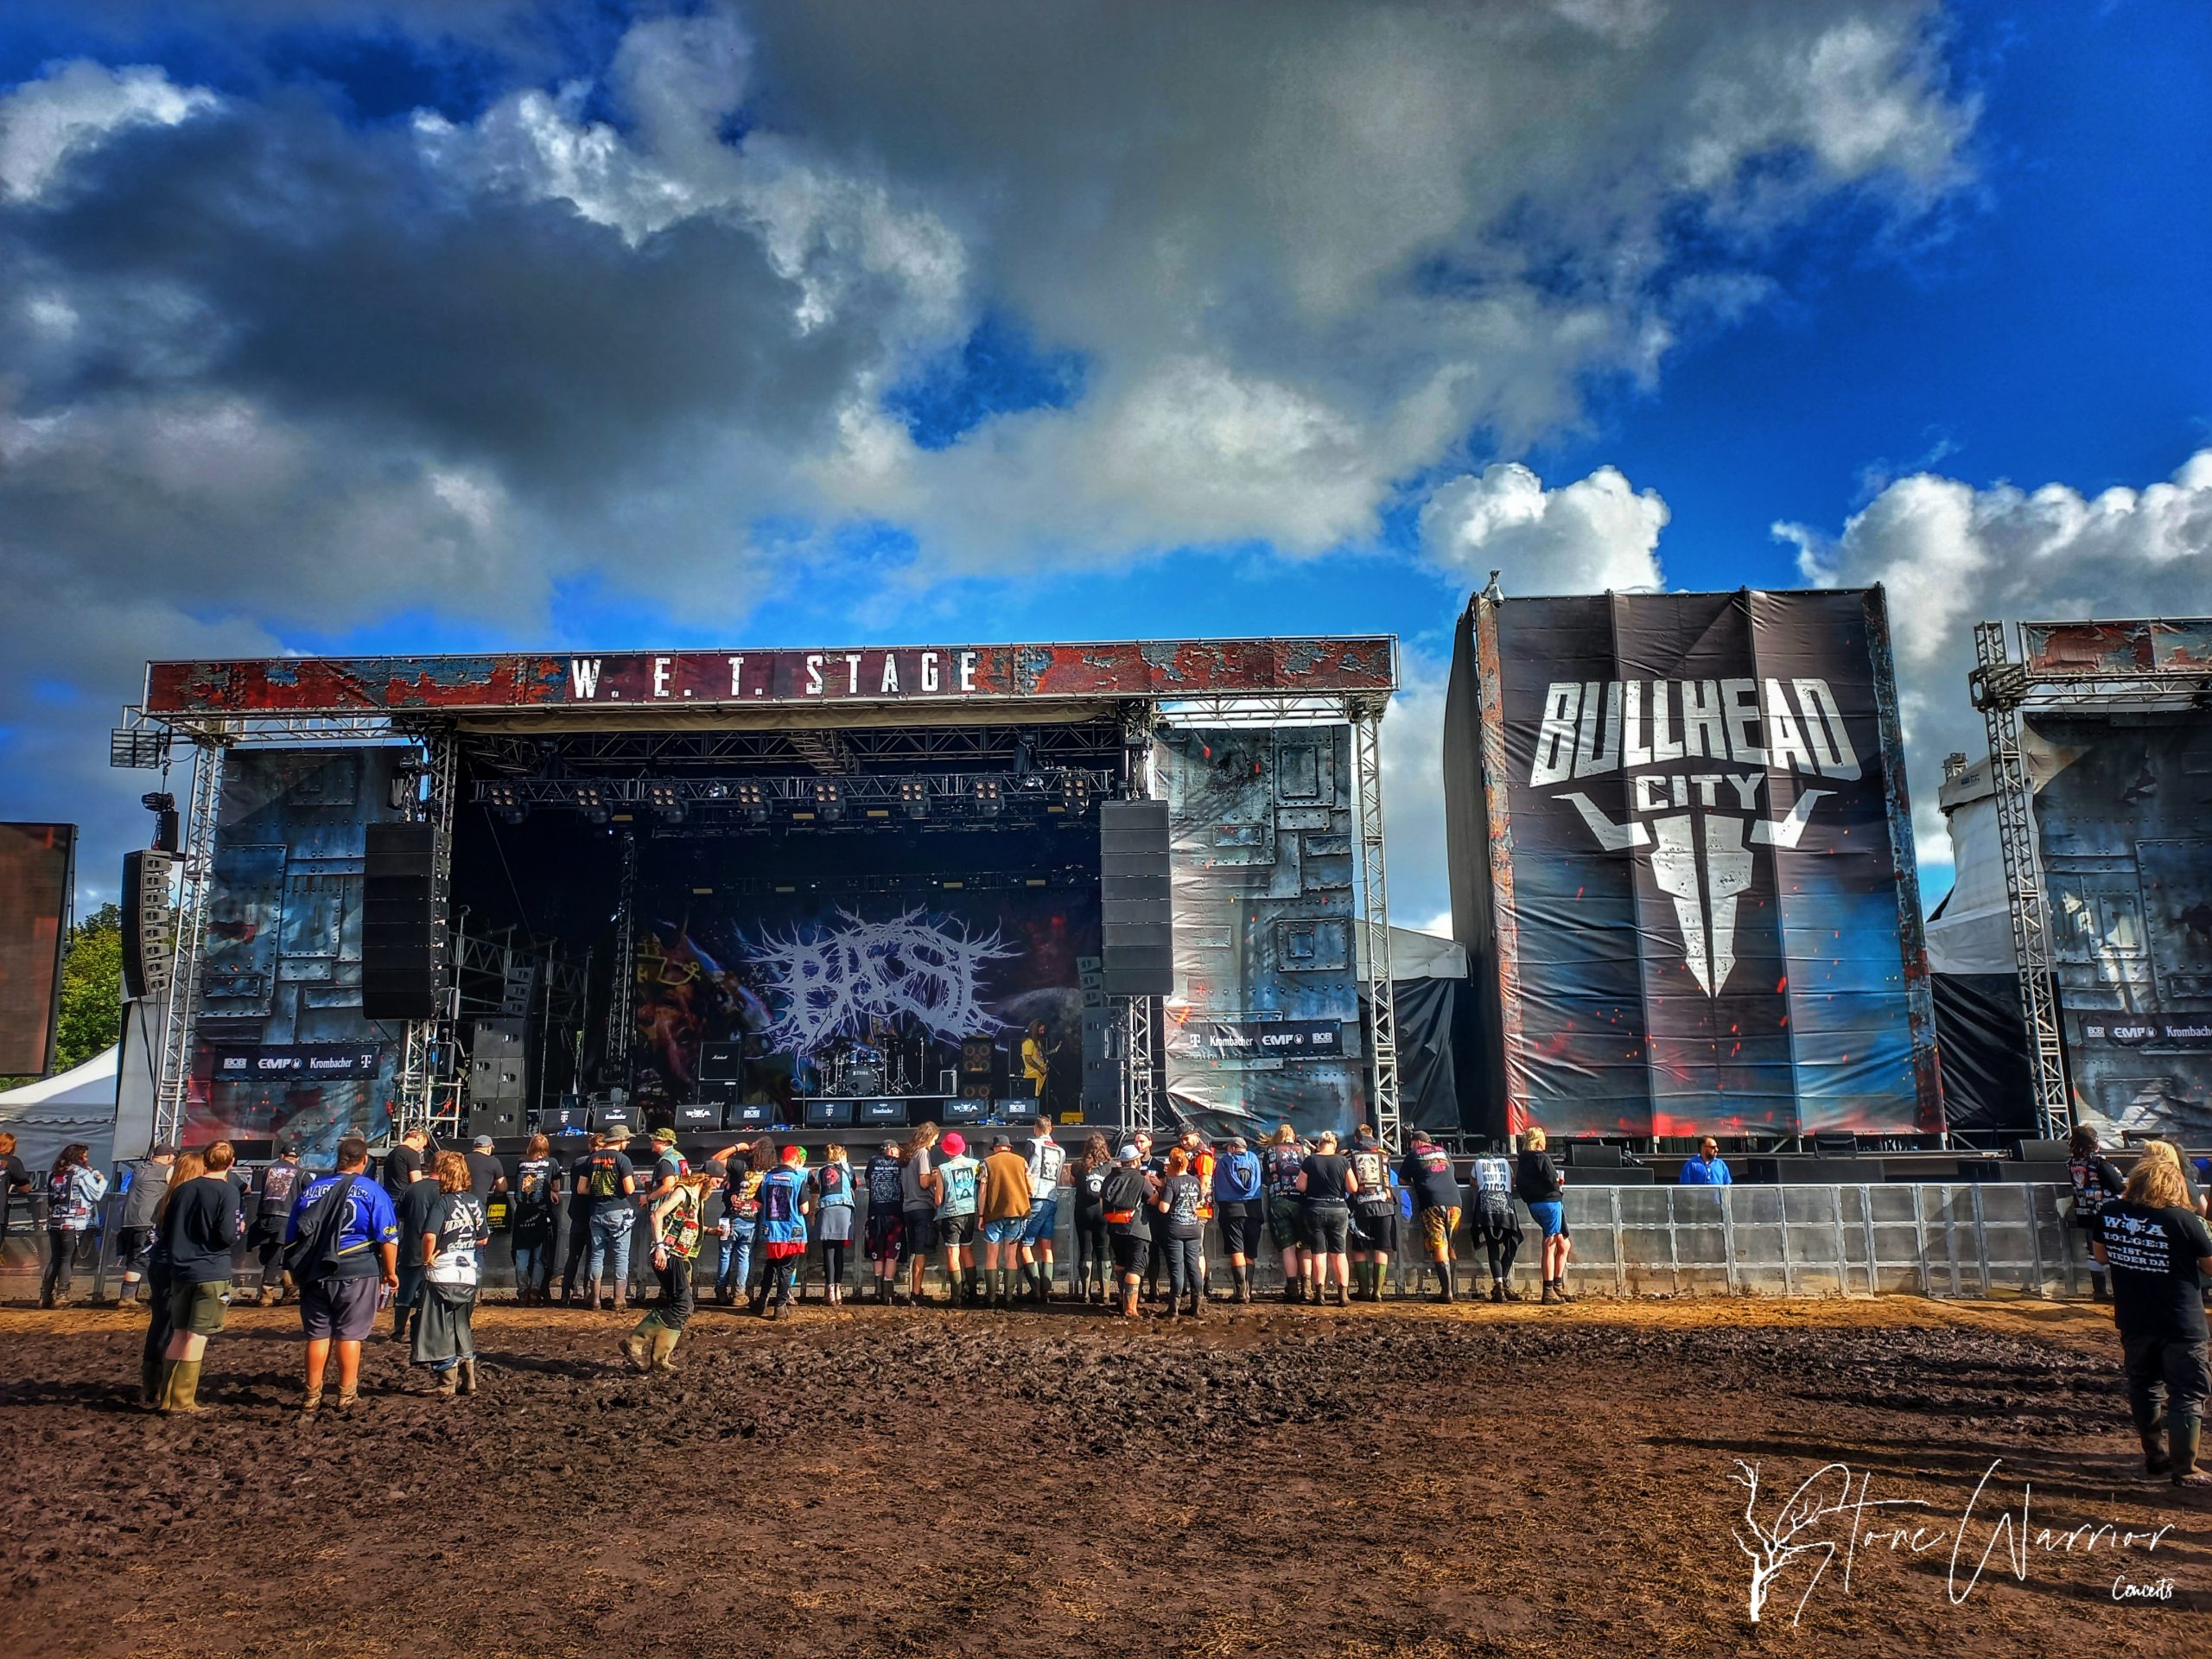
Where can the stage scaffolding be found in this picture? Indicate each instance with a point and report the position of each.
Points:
(2006, 687)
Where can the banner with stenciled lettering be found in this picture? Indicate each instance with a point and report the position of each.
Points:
(1694, 897)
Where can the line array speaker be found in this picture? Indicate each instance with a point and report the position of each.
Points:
(148, 924)
(1136, 934)
(400, 932)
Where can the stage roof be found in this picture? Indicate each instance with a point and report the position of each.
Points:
(1161, 670)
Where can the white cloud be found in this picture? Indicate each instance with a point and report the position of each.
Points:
(74, 108)
(1413, 792)
(1950, 555)
(1596, 534)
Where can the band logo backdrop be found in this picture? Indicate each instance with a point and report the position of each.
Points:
(37, 873)
(1681, 862)
(2122, 803)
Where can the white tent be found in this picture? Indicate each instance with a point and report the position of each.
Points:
(78, 1104)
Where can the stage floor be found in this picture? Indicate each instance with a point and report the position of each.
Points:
(1412, 1481)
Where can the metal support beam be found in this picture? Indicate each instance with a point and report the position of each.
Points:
(1366, 716)
(1999, 687)
(1139, 1015)
(181, 1020)
(427, 1095)
(622, 1003)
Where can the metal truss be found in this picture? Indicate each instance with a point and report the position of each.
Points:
(181, 1019)
(881, 795)
(2003, 688)
(1139, 1015)
(1080, 743)
(1366, 716)
(621, 1004)
(1253, 711)
(233, 730)
(428, 1094)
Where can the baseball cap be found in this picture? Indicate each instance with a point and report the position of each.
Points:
(1128, 1154)
(166, 1149)
(483, 1143)
(998, 1140)
(954, 1144)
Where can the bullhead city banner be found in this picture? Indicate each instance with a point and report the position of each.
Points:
(1681, 863)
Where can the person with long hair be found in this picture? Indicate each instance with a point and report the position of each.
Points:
(199, 1226)
(918, 1209)
(2096, 1179)
(533, 1222)
(73, 1191)
(740, 1224)
(2160, 1254)
(885, 1223)
(183, 1166)
(1093, 1254)
(833, 1214)
(1180, 1228)
(1544, 1189)
(452, 1246)
(1282, 1158)
(673, 1227)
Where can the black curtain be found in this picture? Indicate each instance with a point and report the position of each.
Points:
(1987, 1083)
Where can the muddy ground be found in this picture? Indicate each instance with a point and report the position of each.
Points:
(1411, 1481)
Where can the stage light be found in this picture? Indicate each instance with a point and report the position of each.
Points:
(914, 796)
(989, 798)
(502, 793)
(829, 798)
(136, 747)
(591, 798)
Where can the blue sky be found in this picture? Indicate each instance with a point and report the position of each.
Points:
(355, 326)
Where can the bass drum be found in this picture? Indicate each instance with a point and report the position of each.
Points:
(862, 1080)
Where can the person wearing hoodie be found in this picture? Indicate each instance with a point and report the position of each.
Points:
(73, 1191)
(1239, 1210)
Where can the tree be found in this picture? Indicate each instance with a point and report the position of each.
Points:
(91, 1015)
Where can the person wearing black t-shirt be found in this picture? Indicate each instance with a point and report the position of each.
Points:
(1544, 1189)
(1124, 1201)
(2096, 1178)
(1326, 1185)
(576, 1213)
(199, 1224)
(2159, 1255)
(414, 1206)
(1181, 1230)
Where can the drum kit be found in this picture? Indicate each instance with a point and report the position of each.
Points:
(852, 1069)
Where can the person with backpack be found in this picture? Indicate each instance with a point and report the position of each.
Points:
(1281, 1162)
(1047, 1163)
(783, 1206)
(833, 1199)
(199, 1226)
(452, 1247)
(341, 1249)
(740, 1223)
(1544, 1189)
(532, 1222)
(281, 1183)
(1428, 1175)
(610, 1182)
(956, 1183)
(674, 1228)
(2097, 1180)
(73, 1191)
(1237, 1207)
(1125, 1202)
(1374, 1216)
(884, 1220)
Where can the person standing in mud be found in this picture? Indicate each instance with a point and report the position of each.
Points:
(575, 1216)
(1279, 1164)
(673, 1226)
(1544, 1189)
(741, 1224)
(1428, 1175)
(883, 1216)
(1492, 1222)
(354, 1231)
(154, 1351)
(956, 1183)
(531, 1226)
(918, 1212)
(2096, 1180)
(1326, 1185)
(200, 1224)
(73, 1191)
(611, 1183)
(15, 1181)
(1373, 1215)
(413, 1207)
(451, 1248)
(2160, 1254)
(1093, 1252)
(1237, 1199)
(1005, 1217)
(1178, 1229)
(1048, 1165)
(141, 1202)
(832, 1214)
(281, 1183)
(1125, 1201)
(783, 1207)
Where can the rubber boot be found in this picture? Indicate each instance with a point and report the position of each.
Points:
(1446, 1291)
(1292, 1291)
(398, 1322)
(2154, 1451)
(970, 1278)
(1197, 1306)
(2183, 1437)
(1550, 1296)
(182, 1396)
(449, 1382)
(1498, 1290)
(152, 1382)
(2100, 1287)
(468, 1377)
(664, 1357)
(635, 1344)
(1130, 1302)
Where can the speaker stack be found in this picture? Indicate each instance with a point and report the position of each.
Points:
(400, 931)
(499, 1085)
(1136, 938)
(148, 924)
(980, 1066)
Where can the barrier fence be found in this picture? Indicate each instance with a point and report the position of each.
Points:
(1963, 1239)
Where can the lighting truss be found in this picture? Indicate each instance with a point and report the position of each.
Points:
(867, 797)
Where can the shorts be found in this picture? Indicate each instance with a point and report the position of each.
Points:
(917, 1235)
(1006, 1230)
(952, 1231)
(1328, 1229)
(884, 1228)
(1374, 1230)
(1131, 1255)
(1286, 1223)
(1550, 1217)
(1044, 1222)
(1437, 1227)
(197, 1309)
(1240, 1228)
(338, 1310)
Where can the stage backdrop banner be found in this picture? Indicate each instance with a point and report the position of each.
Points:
(37, 873)
(2122, 803)
(796, 981)
(1682, 860)
(283, 1049)
(1260, 863)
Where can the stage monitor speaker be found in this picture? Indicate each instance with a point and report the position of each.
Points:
(750, 1114)
(149, 923)
(883, 1114)
(969, 1109)
(613, 1117)
(828, 1113)
(699, 1116)
(566, 1119)
(399, 931)
(1593, 1154)
(722, 1062)
(1136, 933)
(498, 1119)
